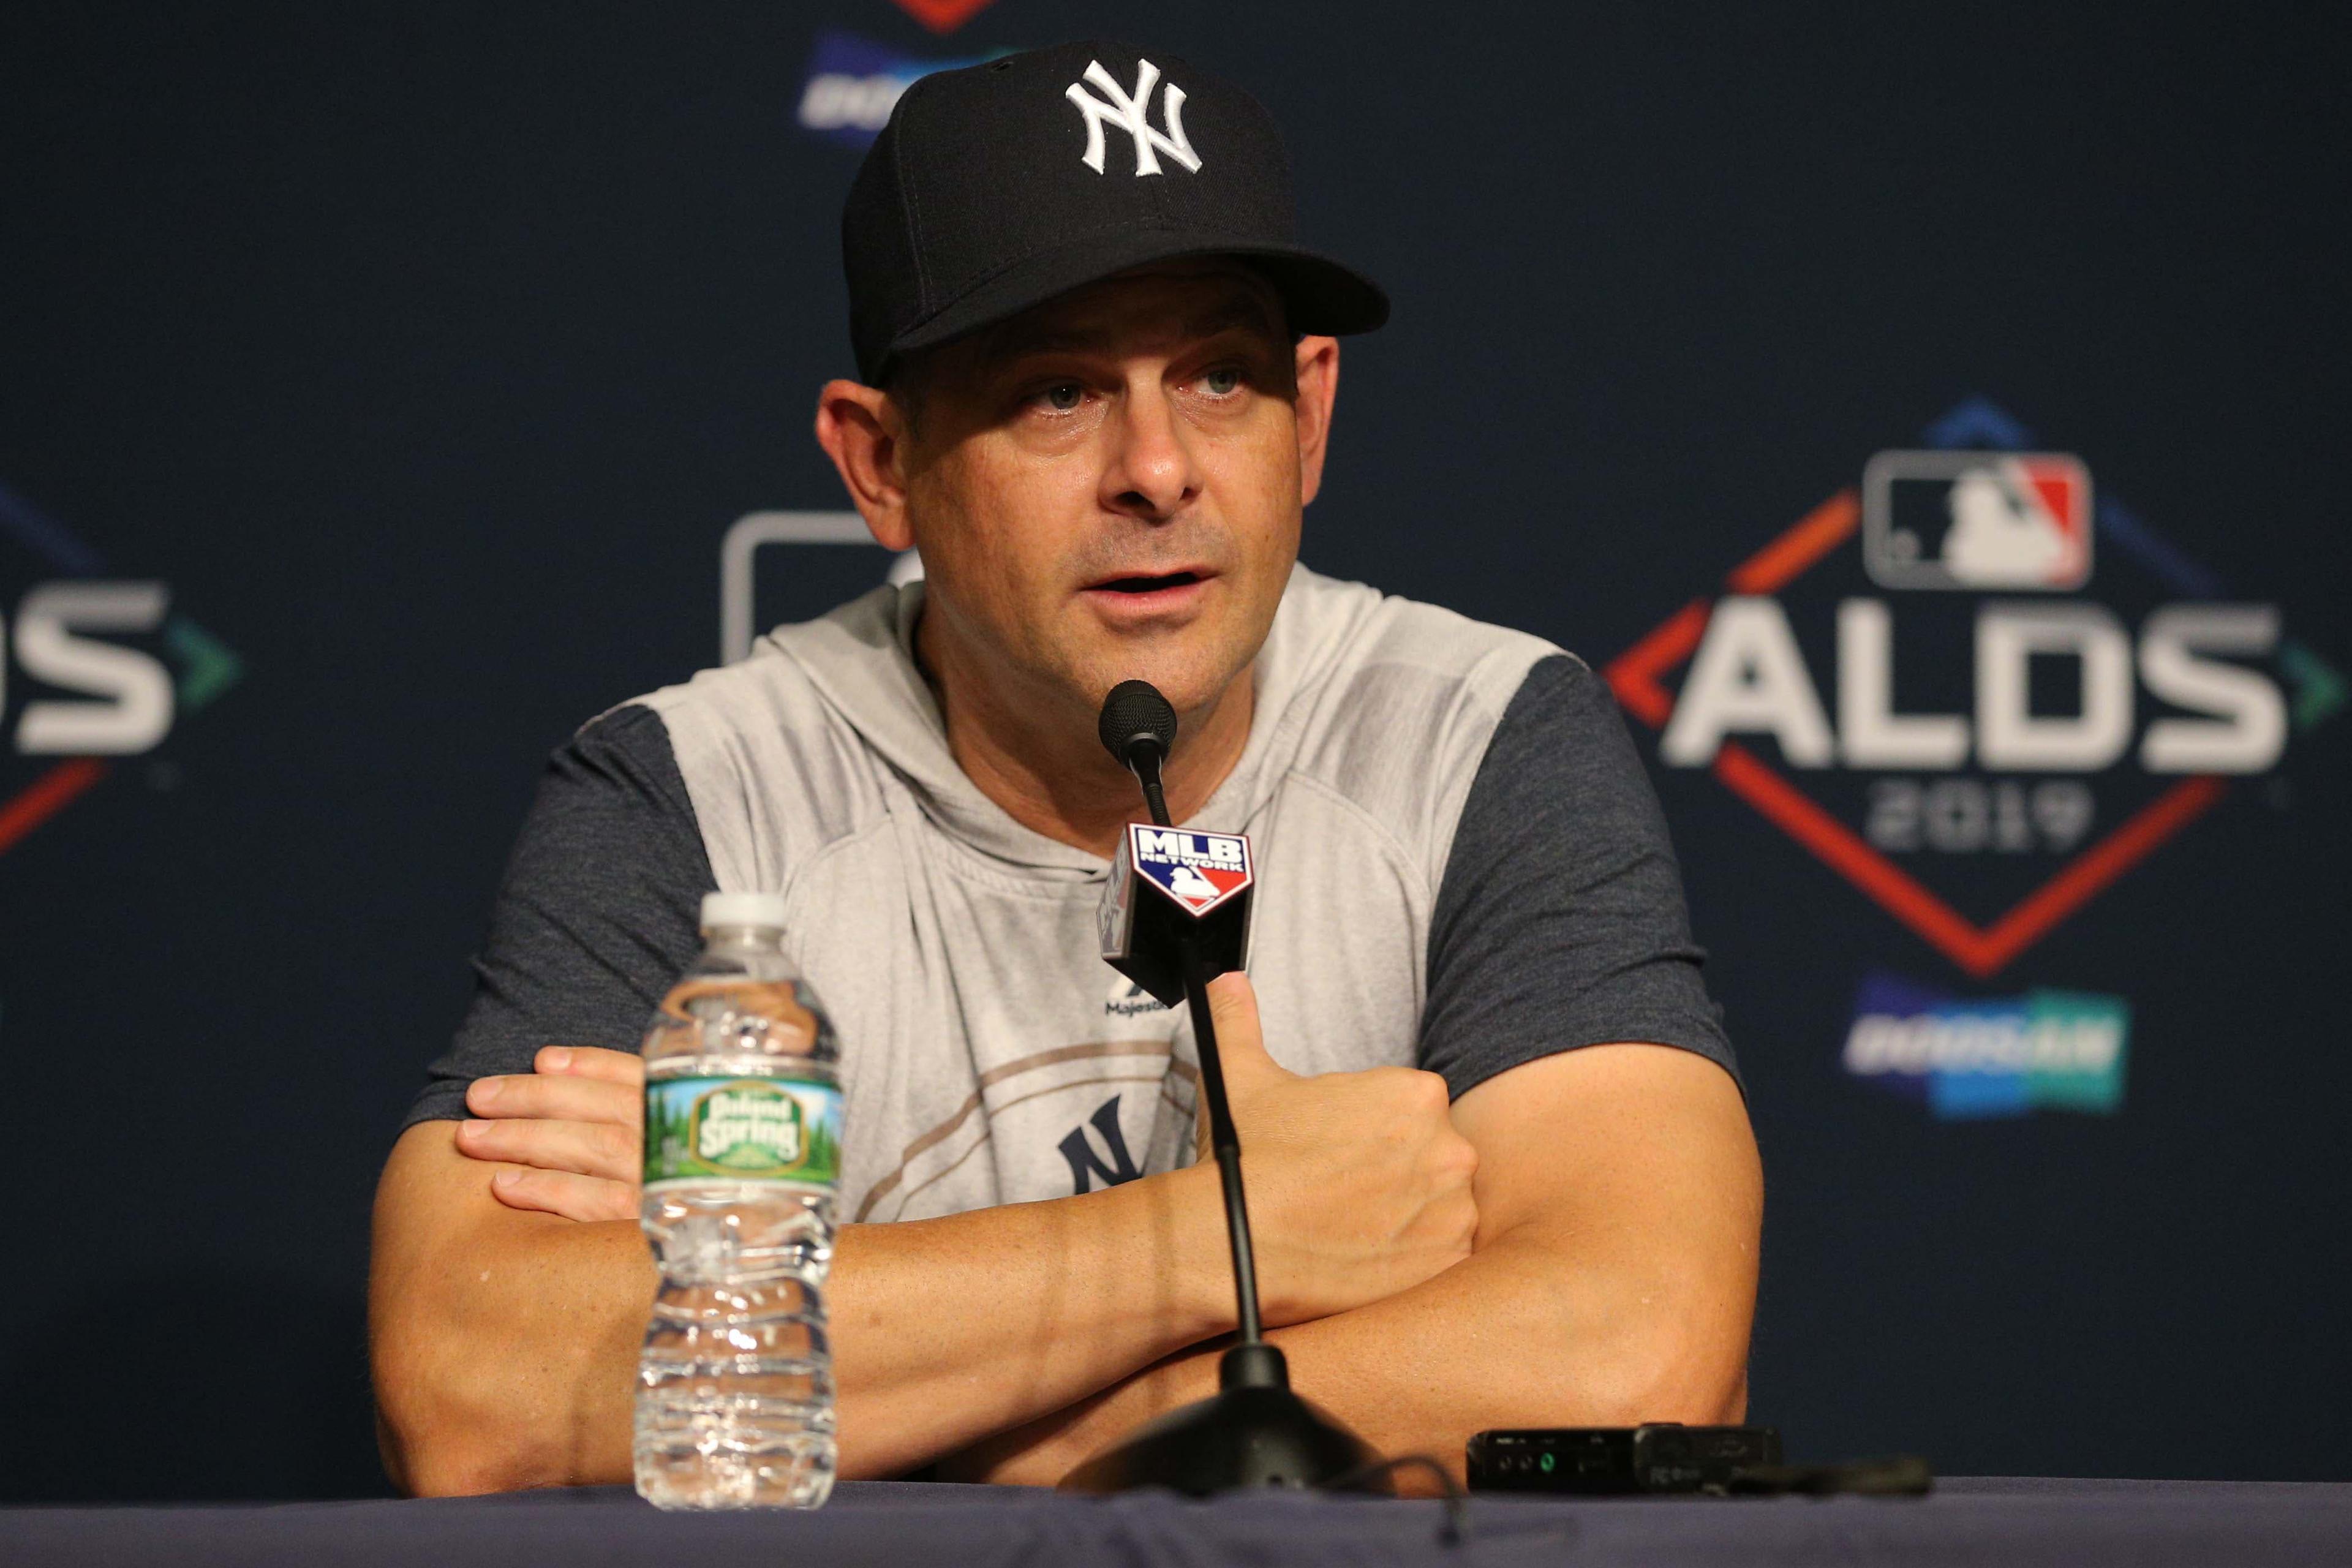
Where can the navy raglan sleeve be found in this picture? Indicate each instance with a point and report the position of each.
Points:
(1559, 921)
(597, 915)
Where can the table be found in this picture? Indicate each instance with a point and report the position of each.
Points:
(2004, 1521)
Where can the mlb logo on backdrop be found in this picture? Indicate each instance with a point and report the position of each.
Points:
(2017, 521)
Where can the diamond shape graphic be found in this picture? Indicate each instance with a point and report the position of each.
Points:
(1979, 951)
(942, 15)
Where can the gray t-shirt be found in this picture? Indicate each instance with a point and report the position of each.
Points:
(1461, 866)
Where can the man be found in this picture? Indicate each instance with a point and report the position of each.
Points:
(1499, 1171)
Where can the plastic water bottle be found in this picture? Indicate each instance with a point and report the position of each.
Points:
(742, 1152)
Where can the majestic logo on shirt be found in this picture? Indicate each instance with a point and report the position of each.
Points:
(2043, 745)
(87, 666)
(1128, 1000)
(1128, 112)
(1996, 1057)
(1198, 870)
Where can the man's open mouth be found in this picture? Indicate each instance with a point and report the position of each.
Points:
(1148, 585)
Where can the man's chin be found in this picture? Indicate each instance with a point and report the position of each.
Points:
(1191, 650)
(1192, 677)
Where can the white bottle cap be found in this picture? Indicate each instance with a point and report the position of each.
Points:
(762, 910)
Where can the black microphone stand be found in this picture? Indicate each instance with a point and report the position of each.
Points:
(1254, 1431)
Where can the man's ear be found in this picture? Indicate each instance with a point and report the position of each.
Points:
(864, 432)
(1319, 384)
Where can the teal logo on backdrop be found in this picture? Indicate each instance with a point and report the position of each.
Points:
(1970, 1058)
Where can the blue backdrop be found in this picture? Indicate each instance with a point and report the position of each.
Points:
(381, 383)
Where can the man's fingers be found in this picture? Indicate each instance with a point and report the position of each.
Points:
(592, 1061)
(582, 1148)
(583, 1198)
(555, 1097)
(1241, 1044)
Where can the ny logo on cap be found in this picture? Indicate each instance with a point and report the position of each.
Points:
(1127, 112)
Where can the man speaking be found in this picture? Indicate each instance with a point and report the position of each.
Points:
(1500, 1172)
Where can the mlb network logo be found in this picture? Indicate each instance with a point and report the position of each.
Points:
(1198, 870)
(1968, 1060)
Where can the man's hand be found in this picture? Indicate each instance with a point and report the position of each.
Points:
(1618, 1206)
(1358, 1185)
(573, 1130)
(510, 1286)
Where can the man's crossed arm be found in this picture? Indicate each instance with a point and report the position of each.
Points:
(1612, 1282)
(1575, 1242)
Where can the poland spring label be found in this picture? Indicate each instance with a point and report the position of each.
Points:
(742, 1129)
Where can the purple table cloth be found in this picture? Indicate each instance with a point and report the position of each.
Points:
(2149, 1524)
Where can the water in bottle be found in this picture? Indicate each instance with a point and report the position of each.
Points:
(742, 1151)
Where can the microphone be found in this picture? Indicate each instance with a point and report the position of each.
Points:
(1168, 889)
(1176, 916)
(1137, 726)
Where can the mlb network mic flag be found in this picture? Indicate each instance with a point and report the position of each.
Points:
(1202, 882)
(1198, 870)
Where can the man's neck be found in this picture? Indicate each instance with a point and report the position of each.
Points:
(1047, 769)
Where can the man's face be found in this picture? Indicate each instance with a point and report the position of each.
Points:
(1109, 486)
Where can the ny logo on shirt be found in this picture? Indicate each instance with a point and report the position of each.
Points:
(1127, 112)
(1085, 1164)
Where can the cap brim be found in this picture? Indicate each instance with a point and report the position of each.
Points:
(1318, 294)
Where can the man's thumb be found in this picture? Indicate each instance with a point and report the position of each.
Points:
(1241, 1044)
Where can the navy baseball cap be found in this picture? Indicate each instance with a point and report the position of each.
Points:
(997, 186)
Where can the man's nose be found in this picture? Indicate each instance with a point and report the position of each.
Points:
(1151, 473)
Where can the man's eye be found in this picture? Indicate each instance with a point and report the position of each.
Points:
(1222, 383)
(1064, 396)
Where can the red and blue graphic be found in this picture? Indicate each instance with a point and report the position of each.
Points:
(2027, 520)
(1198, 871)
(942, 15)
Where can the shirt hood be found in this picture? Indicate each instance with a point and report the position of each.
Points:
(860, 659)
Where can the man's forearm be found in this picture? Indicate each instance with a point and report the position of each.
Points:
(1613, 1282)
(1515, 1336)
(945, 1330)
(506, 1342)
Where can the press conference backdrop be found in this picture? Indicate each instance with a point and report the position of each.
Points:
(1929, 417)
